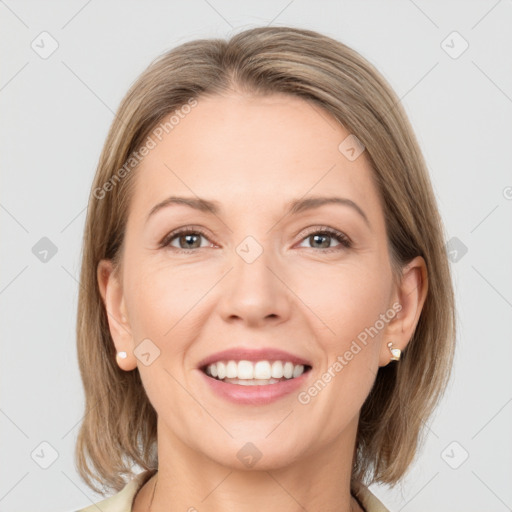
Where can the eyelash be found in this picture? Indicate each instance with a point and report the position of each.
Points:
(324, 230)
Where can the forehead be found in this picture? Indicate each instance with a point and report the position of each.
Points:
(252, 152)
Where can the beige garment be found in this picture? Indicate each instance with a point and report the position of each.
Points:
(123, 500)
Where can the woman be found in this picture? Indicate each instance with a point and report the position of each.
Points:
(238, 363)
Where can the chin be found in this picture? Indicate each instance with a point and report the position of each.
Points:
(254, 453)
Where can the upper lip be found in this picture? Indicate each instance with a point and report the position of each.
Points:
(251, 354)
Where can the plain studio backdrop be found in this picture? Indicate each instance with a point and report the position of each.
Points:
(64, 69)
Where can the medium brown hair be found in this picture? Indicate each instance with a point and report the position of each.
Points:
(119, 427)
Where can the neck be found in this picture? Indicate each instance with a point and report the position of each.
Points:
(189, 480)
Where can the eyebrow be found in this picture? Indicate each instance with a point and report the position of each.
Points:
(293, 207)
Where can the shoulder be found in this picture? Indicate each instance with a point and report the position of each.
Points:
(369, 501)
(122, 501)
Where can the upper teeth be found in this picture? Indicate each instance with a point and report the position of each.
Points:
(254, 370)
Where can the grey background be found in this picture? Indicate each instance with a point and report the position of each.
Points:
(55, 115)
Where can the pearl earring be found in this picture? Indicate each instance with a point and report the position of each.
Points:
(122, 355)
(395, 352)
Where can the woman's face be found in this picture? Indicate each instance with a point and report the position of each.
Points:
(256, 277)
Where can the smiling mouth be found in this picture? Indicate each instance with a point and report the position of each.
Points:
(245, 373)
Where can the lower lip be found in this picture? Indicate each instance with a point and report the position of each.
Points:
(255, 395)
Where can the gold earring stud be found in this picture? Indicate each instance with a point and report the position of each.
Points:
(395, 352)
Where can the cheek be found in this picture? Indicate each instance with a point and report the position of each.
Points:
(158, 298)
(345, 300)
(348, 301)
(158, 302)
(347, 305)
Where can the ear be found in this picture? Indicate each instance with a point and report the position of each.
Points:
(111, 291)
(411, 294)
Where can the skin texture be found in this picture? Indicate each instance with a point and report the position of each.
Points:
(253, 155)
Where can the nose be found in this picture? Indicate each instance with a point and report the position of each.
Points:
(255, 291)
